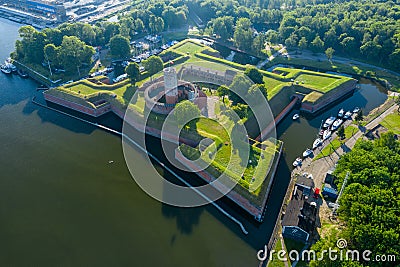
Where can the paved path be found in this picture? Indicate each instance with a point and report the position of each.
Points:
(262, 63)
(211, 101)
(320, 167)
(322, 57)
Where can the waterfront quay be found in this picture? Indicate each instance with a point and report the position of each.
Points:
(316, 174)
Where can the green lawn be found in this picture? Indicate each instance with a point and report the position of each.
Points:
(229, 159)
(190, 48)
(317, 82)
(351, 69)
(392, 122)
(349, 131)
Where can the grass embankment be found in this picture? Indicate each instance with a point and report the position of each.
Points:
(352, 69)
(392, 122)
(349, 131)
(229, 159)
(192, 52)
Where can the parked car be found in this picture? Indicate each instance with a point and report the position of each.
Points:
(120, 78)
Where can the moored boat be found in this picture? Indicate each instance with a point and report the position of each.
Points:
(295, 116)
(307, 153)
(348, 115)
(329, 122)
(297, 162)
(5, 69)
(326, 135)
(341, 113)
(336, 124)
(317, 143)
(356, 110)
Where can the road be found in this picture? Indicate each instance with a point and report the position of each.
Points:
(279, 52)
(342, 60)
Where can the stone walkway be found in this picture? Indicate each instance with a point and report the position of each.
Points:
(211, 101)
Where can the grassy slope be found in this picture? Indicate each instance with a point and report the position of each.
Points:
(392, 122)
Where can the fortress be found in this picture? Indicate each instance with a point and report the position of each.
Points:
(163, 95)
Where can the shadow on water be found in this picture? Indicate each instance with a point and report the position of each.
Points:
(186, 218)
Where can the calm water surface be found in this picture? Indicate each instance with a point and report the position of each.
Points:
(61, 203)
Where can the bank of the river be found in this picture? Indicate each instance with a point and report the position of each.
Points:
(62, 203)
(319, 168)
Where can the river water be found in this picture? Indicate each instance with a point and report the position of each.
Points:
(62, 203)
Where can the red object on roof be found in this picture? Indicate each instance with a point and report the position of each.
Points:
(317, 191)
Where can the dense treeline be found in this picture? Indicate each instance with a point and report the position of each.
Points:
(370, 204)
(360, 29)
(368, 29)
(60, 47)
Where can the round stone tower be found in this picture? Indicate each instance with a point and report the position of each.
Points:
(170, 85)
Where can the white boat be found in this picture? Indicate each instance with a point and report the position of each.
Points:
(10, 66)
(356, 110)
(336, 124)
(317, 143)
(296, 116)
(347, 115)
(341, 113)
(307, 153)
(329, 122)
(297, 162)
(326, 135)
(5, 69)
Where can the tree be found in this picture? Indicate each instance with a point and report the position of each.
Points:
(303, 43)
(51, 53)
(317, 44)
(329, 53)
(223, 26)
(254, 92)
(397, 100)
(259, 44)
(254, 74)
(239, 86)
(243, 35)
(291, 41)
(241, 110)
(133, 72)
(31, 45)
(359, 116)
(156, 24)
(73, 52)
(341, 132)
(186, 114)
(223, 91)
(119, 47)
(153, 64)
